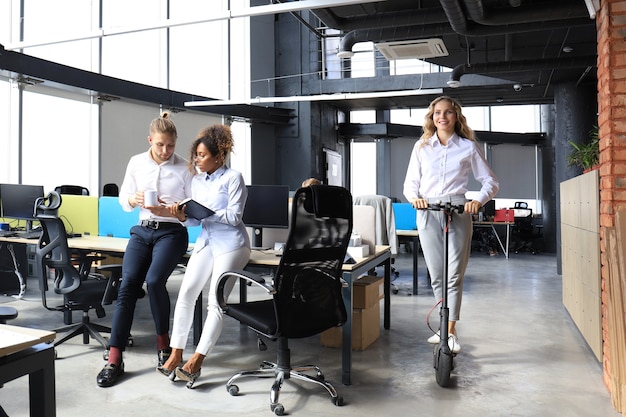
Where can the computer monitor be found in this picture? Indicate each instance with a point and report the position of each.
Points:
(490, 208)
(18, 201)
(267, 206)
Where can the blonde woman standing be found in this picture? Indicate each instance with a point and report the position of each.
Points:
(438, 171)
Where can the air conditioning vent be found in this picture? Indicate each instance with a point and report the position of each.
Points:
(420, 49)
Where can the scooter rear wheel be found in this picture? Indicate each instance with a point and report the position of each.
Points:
(443, 367)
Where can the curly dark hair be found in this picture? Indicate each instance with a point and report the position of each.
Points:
(217, 138)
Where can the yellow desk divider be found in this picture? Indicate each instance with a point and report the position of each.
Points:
(79, 214)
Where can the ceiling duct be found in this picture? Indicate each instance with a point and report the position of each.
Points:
(514, 66)
(393, 34)
(419, 49)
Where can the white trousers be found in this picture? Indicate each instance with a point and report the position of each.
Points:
(204, 266)
(430, 225)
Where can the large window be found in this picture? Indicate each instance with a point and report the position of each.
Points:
(53, 136)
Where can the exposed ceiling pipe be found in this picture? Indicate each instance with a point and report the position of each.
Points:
(544, 12)
(514, 66)
(381, 20)
(426, 31)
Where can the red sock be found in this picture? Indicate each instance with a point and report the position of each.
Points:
(115, 356)
(163, 341)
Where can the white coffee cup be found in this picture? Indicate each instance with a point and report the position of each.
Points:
(150, 198)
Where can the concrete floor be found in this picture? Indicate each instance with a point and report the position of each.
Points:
(522, 356)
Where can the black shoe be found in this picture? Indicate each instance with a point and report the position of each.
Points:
(109, 374)
(163, 355)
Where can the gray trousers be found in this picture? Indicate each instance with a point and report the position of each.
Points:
(430, 225)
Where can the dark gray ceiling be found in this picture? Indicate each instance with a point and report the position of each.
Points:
(493, 45)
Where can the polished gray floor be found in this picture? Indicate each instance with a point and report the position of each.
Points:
(522, 356)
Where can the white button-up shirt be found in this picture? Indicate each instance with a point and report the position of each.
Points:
(436, 170)
(171, 179)
(224, 192)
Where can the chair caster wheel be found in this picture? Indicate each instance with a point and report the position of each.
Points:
(278, 409)
(337, 401)
(233, 390)
(261, 345)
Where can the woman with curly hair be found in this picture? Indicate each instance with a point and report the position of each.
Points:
(223, 245)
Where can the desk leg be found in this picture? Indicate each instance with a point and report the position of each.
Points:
(346, 338)
(416, 242)
(387, 292)
(505, 250)
(42, 389)
(508, 233)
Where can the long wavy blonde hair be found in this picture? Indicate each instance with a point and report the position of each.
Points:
(460, 127)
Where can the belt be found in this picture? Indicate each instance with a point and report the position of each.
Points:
(155, 224)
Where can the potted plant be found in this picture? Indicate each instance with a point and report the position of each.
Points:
(586, 155)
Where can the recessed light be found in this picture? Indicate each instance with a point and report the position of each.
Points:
(567, 49)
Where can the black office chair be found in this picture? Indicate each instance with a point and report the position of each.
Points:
(72, 189)
(110, 190)
(71, 276)
(523, 229)
(306, 293)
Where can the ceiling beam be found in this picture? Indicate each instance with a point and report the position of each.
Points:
(167, 23)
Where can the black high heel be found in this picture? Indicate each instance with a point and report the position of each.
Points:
(186, 376)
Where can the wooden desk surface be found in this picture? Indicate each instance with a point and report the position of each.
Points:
(269, 258)
(15, 338)
(118, 245)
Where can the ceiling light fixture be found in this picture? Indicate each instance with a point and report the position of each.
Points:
(319, 97)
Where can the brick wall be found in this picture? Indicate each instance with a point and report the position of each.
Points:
(611, 24)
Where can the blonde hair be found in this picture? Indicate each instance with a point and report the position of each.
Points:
(460, 127)
(311, 181)
(163, 124)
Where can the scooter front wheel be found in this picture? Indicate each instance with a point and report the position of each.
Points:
(443, 367)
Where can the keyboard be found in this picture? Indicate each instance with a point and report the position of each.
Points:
(8, 233)
(33, 234)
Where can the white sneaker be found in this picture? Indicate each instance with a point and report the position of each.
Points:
(453, 344)
(434, 339)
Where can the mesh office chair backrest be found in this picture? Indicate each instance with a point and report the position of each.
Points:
(52, 249)
(308, 279)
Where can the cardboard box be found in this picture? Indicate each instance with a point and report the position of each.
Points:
(504, 215)
(365, 329)
(367, 291)
(361, 251)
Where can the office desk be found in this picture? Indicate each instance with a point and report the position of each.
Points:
(37, 362)
(381, 256)
(414, 235)
(505, 248)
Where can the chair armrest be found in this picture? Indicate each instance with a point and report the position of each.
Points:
(110, 293)
(241, 274)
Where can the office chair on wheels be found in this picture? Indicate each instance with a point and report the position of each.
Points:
(306, 292)
(524, 229)
(71, 276)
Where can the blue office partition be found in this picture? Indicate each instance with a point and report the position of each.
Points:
(405, 216)
(113, 220)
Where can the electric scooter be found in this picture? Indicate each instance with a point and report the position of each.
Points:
(443, 357)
